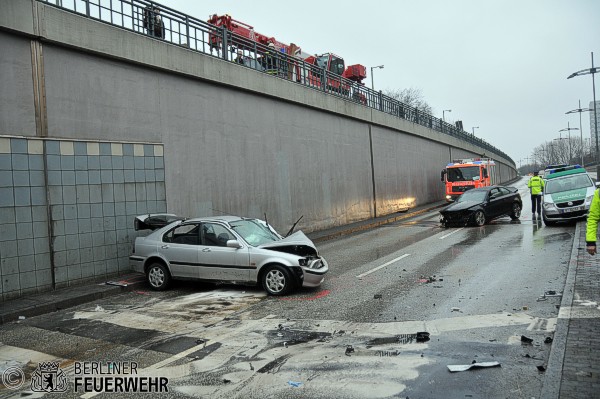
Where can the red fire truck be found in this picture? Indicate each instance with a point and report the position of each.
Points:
(333, 65)
(464, 174)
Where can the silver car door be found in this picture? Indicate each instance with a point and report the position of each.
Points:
(180, 247)
(218, 261)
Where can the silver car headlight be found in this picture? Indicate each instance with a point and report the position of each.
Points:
(549, 206)
(588, 199)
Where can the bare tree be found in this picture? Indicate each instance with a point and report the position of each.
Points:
(411, 96)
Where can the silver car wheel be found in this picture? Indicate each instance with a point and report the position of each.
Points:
(158, 276)
(479, 218)
(516, 211)
(275, 280)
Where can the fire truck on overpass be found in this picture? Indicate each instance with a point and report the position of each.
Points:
(321, 69)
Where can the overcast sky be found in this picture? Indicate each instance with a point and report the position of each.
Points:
(499, 65)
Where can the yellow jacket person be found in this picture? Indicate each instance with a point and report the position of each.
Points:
(592, 224)
(536, 187)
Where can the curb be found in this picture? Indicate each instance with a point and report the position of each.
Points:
(52, 301)
(371, 224)
(553, 377)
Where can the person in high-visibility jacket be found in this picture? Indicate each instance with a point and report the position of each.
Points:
(536, 187)
(592, 224)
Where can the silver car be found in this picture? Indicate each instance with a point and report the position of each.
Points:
(228, 249)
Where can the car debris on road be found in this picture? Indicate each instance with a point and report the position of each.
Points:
(464, 367)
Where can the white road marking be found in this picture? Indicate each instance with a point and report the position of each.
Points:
(449, 234)
(382, 266)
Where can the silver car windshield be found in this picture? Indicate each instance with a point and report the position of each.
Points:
(567, 183)
(254, 232)
(475, 196)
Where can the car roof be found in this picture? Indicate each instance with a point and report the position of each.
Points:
(224, 218)
(486, 188)
(568, 172)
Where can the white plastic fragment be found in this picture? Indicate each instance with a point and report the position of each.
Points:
(21, 317)
(99, 309)
(464, 367)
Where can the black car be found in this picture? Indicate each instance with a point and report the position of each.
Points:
(480, 205)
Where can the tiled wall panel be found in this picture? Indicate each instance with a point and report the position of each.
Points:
(67, 209)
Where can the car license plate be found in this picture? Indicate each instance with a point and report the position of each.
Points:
(573, 209)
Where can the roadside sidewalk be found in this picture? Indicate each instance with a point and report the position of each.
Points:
(573, 368)
(51, 301)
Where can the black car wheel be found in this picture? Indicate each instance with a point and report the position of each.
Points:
(158, 276)
(516, 211)
(277, 280)
(479, 218)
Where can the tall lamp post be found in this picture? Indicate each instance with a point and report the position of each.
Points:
(443, 114)
(568, 129)
(473, 130)
(592, 71)
(580, 110)
(560, 149)
(372, 84)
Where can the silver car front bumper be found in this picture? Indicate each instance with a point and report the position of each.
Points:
(314, 274)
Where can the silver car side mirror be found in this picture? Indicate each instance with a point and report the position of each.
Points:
(233, 244)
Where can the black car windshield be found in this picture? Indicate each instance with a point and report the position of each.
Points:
(567, 183)
(255, 232)
(463, 173)
(472, 195)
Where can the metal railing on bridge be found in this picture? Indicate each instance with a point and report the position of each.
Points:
(163, 23)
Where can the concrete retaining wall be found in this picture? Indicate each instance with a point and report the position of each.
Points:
(235, 140)
(67, 209)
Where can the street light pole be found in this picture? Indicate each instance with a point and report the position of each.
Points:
(568, 129)
(372, 84)
(560, 138)
(580, 110)
(473, 129)
(444, 112)
(592, 71)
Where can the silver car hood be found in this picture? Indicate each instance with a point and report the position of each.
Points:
(298, 238)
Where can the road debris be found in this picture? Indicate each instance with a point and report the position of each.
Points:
(464, 367)
(294, 384)
(377, 296)
(21, 317)
(527, 355)
(349, 350)
(548, 340)
(541, 368)
(99, 309)
(526, 340)
(121, 283)
(428, 280)
(549, 294)
(422, 336)
(455, 309)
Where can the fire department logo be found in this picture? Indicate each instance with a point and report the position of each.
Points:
(48, 377)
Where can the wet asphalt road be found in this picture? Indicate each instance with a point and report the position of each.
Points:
(474, 290)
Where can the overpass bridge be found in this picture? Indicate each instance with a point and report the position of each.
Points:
(100, 121)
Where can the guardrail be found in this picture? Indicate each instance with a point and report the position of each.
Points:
(163, 23)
